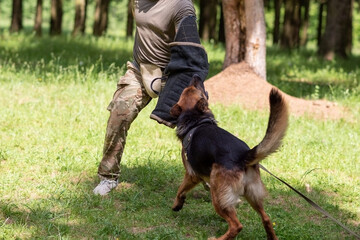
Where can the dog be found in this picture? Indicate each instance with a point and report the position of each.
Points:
(214, 156)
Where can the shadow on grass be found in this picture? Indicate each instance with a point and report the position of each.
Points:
(50, 52)
(140, 208)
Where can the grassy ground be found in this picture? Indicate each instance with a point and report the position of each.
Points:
(53, 98)
(53, 115)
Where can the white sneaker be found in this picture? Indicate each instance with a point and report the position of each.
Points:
(105, 186)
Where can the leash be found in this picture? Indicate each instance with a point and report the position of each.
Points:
(312, 203)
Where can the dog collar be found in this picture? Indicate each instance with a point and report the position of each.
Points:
(188, 137)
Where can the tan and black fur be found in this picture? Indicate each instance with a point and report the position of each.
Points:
(223, 161)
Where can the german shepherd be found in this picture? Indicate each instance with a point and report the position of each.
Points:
(225, 163)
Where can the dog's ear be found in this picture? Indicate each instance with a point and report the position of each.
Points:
(175, 110)
(202, 105)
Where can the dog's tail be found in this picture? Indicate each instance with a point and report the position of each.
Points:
(277, 125)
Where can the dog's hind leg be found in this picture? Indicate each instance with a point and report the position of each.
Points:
(225, 191)
(228, 213)
(258, 207)
(188, 183)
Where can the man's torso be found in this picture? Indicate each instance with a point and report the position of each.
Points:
(156, 22)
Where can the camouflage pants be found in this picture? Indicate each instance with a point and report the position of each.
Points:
(129, 99)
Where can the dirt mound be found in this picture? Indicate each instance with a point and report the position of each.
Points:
(238, 84)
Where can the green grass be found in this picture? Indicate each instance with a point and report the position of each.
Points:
(53, 98)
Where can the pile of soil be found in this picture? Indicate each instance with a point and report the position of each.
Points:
(238, 84)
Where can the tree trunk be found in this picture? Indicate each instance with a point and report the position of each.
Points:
(101, 17)
(235, 31)
(320, 23)
(130, 20)
(276, 31)
(56, 17)
(97, 19)
(256, 36)
(80, 17)
(207, 24)
(349, 29)
(290, 34)
(38, 18)
(267, 4)
(305, 4)
(221, 37)
(16, 17)
(243, 26)
(245, 33)
(337, 38)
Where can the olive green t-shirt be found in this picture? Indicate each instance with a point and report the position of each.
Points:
(156, 24)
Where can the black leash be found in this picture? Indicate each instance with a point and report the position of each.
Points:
(312, 203)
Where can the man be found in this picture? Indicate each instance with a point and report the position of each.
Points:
(162, 26)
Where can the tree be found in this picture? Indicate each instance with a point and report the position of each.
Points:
(207, 23)
(245, 34)
(221, 34)
(235, 31)
(16, 16)
(80, 17)
(255, 54)
(320, 22)
(290, 37)
(276, 30)
(130, 20)
(101, 17)
(38, 18)
(56, 17)
(305, 5)
(337, 38)
(295, 25)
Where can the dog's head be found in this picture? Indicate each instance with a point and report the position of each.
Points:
(194, 97)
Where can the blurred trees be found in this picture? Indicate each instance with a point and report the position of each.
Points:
(56, 17)
(38, 18)
(290, 37)
(337, 38)
(101, 17)
(130, 20)
(295, 23)
(207, 19)
(80, 17)
(16, 16)
(276, 29)
(222, 21)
